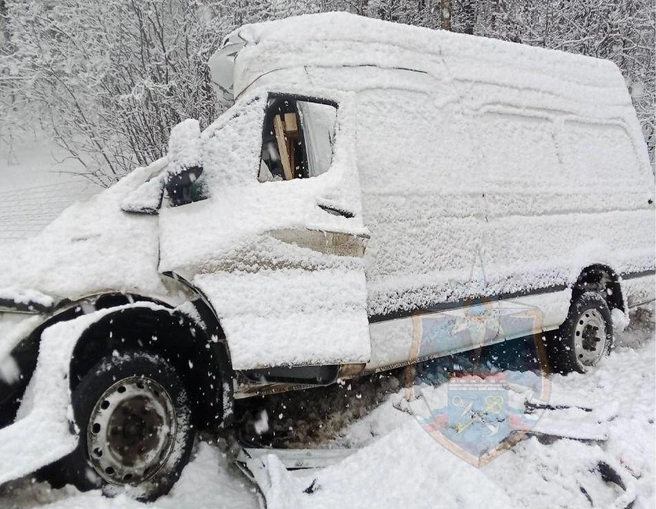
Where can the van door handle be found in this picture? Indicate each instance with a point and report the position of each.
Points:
(336, 211)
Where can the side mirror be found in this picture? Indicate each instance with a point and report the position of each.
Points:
(185, 162)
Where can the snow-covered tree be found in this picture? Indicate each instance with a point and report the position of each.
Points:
(109, 78)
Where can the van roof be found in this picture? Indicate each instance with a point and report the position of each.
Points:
(342, 39)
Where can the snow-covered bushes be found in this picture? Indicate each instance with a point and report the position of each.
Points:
(111, 77)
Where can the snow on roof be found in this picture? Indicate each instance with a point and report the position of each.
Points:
(332, 39)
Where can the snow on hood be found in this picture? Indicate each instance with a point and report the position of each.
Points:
(92, 247)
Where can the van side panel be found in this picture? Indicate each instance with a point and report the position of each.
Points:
(463, 326)
(468, 199)
(422, 197)
(563, 189)
(498, 192)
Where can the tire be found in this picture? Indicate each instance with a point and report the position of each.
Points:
(584, 338)
(133, 416)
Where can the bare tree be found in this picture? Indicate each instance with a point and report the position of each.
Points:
(110, 78)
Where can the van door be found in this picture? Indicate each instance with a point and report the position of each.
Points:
(274, 238)
(423, 201)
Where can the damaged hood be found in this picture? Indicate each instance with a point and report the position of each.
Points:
(92, 247)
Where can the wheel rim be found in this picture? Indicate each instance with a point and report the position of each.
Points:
(590, 337)
(130, 431)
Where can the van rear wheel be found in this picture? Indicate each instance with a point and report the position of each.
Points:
(584, 338)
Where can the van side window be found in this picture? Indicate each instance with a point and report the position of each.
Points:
(297, 139)
(604, 151)
(518, 149)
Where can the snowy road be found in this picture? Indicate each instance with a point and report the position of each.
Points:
(399, 464)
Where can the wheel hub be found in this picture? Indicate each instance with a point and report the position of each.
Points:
(130, 430)
(590, 337)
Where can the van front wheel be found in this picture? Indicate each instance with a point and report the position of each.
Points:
(134, 420)
(584, 338)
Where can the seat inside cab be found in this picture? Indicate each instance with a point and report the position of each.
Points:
(297, 139)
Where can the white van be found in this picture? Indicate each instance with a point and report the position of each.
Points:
(368, 178)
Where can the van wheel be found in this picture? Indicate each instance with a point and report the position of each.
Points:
(584, 338)
(134, 421)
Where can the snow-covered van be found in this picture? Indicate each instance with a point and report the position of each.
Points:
(367, 178)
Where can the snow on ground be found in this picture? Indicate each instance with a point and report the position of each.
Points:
(536, 474)
(209, 481)
(36, 186)
(404, 468)
(400, 464)
(34, 160)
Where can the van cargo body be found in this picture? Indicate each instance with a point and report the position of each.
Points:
(486, 169)
(376, 195)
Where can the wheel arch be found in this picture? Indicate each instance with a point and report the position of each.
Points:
(604, 280)
(195, 350)
(26, 352)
